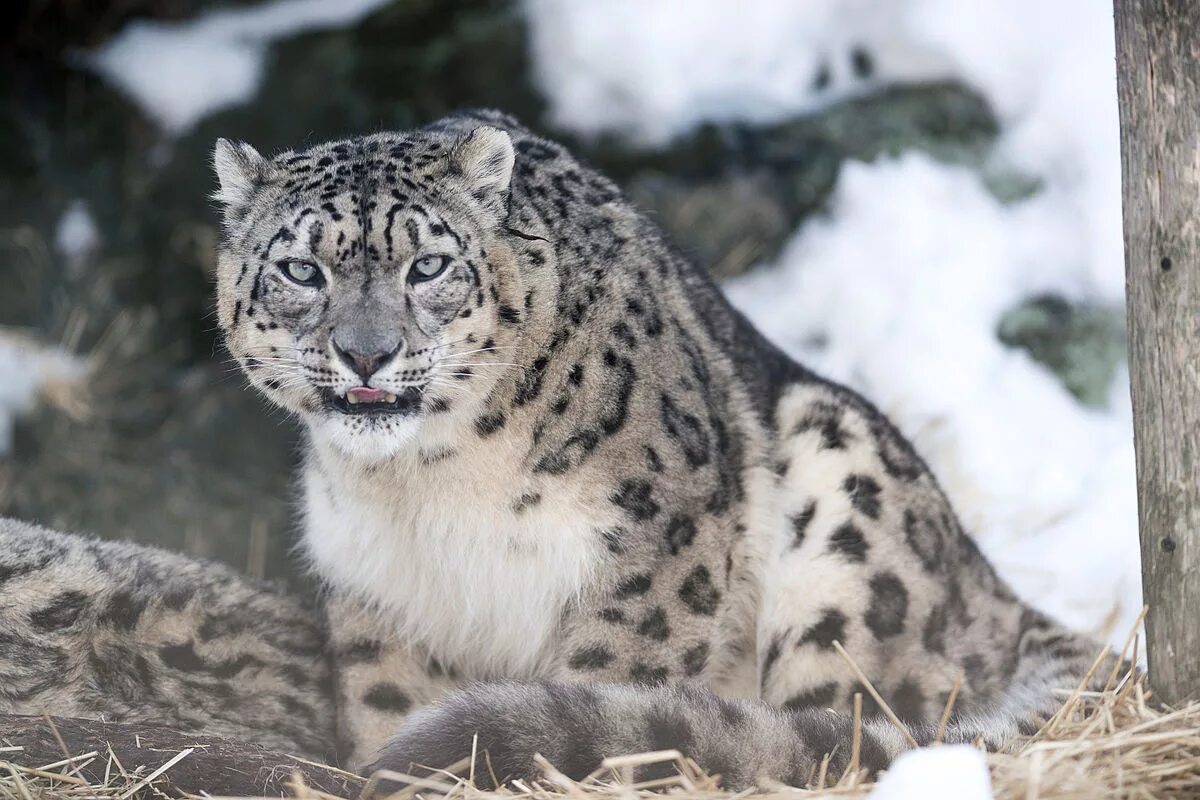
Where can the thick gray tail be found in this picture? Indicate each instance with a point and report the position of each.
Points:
(746, 742)
(576, 726)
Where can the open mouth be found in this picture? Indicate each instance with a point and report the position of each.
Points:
(365, 400)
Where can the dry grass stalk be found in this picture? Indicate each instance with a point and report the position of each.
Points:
(883, 705)
(949, 709)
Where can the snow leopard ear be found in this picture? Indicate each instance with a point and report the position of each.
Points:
(484, 158)
(240, 171)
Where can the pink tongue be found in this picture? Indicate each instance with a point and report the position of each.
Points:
(364, 394)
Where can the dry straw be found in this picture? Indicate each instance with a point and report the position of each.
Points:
(1113, 743)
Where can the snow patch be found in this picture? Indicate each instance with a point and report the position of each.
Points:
(76, 236)
(950, 771)
(27, 368)
(179, 72)
(1049, 71)
(653, 70)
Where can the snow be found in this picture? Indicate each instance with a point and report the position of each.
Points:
(899, 289)
(952, 772)
(27, 368)
(652, 70)
(180, 72)
(1049, 70)
(76, 236)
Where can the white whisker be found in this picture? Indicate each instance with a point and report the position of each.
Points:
(479, 364)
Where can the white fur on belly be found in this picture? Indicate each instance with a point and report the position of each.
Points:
(440, 549)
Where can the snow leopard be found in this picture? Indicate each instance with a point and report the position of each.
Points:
(126, 633)
(569, 501)
(566, 500)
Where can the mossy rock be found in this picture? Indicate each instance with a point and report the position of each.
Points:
(1083, 345)
(734, 195)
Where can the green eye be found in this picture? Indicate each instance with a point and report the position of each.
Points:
(427, 267)
(301, 272)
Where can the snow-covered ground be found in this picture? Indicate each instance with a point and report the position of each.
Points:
(905, 280)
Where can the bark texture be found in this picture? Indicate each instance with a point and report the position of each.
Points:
(1158, 80)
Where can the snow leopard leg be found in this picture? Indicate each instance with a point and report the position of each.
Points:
(378, 680)
(874, 561)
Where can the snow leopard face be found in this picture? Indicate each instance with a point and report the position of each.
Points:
(365, 284)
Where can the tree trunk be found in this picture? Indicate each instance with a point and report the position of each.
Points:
(219, 767)
(1158, 82)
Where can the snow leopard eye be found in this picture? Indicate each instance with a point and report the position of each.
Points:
(427, 268)
(301, 272)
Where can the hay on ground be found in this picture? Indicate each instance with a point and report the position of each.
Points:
(1116, 743)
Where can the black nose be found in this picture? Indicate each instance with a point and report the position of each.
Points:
(364, 364)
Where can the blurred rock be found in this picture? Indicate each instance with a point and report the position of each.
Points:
(46, 28)
(171, 450)
(186, 459)
(406, 64)
(733, 196)
(731, 222)
(1083, 345)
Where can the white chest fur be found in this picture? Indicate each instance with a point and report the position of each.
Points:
(440, 549)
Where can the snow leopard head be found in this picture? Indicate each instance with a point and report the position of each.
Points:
(369, 285)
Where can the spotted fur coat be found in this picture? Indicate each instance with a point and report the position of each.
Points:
(564, 497)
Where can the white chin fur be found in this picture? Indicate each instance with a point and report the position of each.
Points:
(363, 438)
